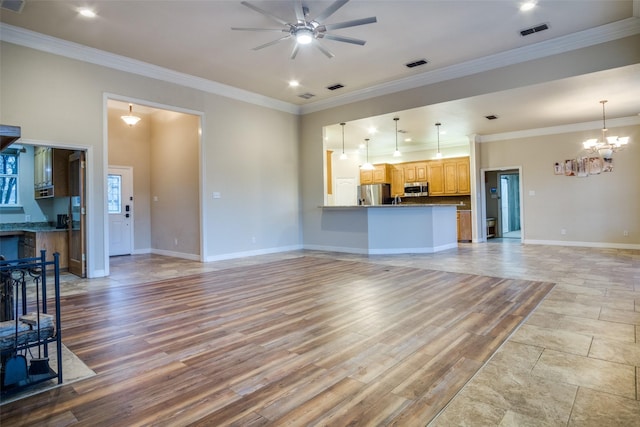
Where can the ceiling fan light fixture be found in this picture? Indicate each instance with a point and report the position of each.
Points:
(130, 119)
(304, 35)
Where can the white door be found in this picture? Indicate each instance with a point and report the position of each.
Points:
(120, 205)
(346, 192)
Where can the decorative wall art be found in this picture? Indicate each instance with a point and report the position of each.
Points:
(583, 166)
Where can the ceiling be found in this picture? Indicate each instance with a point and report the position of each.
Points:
(195, 38)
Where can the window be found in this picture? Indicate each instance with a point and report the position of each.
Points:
(9, 178)
(114, 194)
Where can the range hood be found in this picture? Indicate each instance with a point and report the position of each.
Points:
(8, 135)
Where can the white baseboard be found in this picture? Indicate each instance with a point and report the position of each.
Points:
(391, 251)
(192, 257)
(243, 254)
(604, 245)
(142, 251)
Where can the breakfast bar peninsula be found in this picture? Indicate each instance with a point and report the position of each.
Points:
(390, 229)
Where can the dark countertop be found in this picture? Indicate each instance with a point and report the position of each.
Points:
(18, 228)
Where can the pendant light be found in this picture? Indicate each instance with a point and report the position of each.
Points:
(367, 166)
(131, 120)
(397, 153)
(343, 156)
(609, 144)
(438, 154)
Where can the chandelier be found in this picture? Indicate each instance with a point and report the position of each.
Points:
(607, 145)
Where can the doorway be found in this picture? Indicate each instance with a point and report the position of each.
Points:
(502, 199)
(509, 212)
(120, 209)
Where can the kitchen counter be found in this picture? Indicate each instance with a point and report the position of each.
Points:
(390, 229)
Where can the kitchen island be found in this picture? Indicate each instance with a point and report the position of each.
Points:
(390, 229)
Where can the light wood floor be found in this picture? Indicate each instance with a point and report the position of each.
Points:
(300, 341)
(575, 361)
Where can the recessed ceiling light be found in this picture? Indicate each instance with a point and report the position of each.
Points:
(294, 83)
(527, 5)
(86, 12)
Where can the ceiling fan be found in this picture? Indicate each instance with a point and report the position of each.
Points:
(308, 30)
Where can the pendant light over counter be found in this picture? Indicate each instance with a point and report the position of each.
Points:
(396, 153)
(367, 166)
(438, 154)
(343, 156)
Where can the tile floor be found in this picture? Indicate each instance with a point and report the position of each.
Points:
(574, 362)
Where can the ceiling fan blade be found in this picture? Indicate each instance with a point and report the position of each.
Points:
(295, 51)
(260, 29)
(262, 46)
(297, 5)
(265, 13)
(346, 24)
(330, 10)
(323, 50)
(342, 39)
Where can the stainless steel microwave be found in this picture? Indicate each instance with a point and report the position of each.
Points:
(416, 189)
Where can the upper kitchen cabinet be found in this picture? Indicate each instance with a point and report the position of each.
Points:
(51, 172)
(415, 172)
(449, 177)
(382, 174)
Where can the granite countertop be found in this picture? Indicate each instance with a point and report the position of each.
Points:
(16, 228)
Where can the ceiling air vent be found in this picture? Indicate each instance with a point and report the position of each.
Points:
(535, 29)
(416, 63)
(491, 117)
(335, 86)
(306, 95)
(12, 5)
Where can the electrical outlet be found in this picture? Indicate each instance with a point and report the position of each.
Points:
(253, 239)
(563, 231)
(175, 241)
(625, 233)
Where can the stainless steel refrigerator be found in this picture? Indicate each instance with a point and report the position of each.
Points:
(374, 194)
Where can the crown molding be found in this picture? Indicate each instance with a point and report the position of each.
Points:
(609, 32)
(554, 130)
(38, 41)
(593, 36)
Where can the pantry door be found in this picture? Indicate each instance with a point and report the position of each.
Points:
(77, 215)
(120, 204)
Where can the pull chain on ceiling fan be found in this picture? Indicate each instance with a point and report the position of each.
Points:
(306, 30)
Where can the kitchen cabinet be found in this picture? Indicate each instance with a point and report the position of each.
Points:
(449, 177)
(32, 242)
(380, 175)
(415, 172)
(50, 172)
(397, 182)
(464, 226)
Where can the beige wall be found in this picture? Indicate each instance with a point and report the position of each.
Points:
(595, 209)
(250, 153)
(175, 183)
(587, 60)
